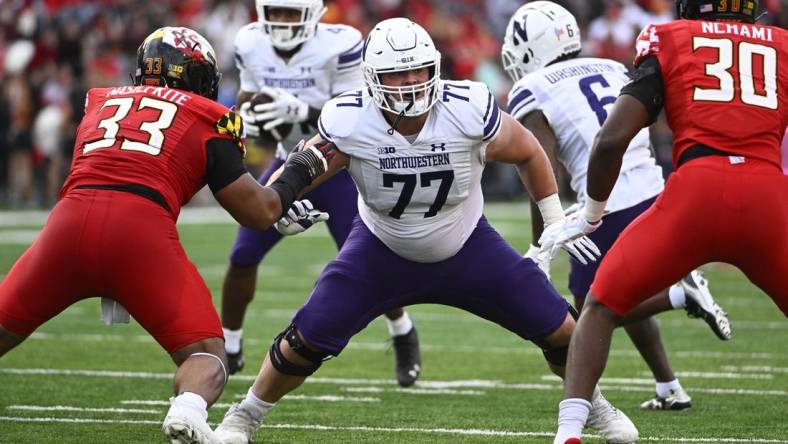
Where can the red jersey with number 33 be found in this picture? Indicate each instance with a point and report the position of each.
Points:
(150, 136)
(725, 84)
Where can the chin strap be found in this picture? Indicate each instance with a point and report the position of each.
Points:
(401, 114)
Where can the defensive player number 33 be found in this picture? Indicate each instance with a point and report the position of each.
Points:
(123, 105)
(408, 181)
(747, 52)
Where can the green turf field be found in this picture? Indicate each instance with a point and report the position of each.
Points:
(78, 381)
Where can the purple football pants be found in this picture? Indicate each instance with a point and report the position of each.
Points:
(487, 277)
(581, 276)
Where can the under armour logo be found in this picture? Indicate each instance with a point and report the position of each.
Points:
(438, 146)
(306, 70)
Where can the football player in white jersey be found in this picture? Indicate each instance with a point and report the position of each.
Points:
(416, 145)
(300, 64)
(562, 99)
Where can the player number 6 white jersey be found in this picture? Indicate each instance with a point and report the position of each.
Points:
(575, 97)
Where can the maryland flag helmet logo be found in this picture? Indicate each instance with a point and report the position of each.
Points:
(232, 125)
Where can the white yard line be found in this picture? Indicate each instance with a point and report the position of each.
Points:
(423, 384)
(441, 431)
(69, 408)
(382, 345)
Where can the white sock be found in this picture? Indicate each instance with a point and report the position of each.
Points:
(677, 297)
(256, 405)
(572, 416)
(401, 326)
(664, 388)
(232, 340)
(191, 401)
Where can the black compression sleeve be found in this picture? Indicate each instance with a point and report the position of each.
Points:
(224, 163)
(294, 178)
(647, 86)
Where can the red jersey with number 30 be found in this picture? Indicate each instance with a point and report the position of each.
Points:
(725, 84)
(150, 136)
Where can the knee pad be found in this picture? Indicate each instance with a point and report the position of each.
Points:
(282, 365)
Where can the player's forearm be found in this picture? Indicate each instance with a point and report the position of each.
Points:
(537, 223)
(604, 166)
(537, 176)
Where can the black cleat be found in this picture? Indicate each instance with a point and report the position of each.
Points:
(235, 362)
(408, 357)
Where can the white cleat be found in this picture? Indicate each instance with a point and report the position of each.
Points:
(700, 304)
(238, 426)
(185, 426)
(611, 423)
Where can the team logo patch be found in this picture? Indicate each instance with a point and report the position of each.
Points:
(232, 125)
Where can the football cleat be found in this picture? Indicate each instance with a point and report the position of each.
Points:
(573, 441)
(238, 426)
(676, 400)
(611, 423)
(184, 426)
(235, 361)
(700, 304)
(408, 357)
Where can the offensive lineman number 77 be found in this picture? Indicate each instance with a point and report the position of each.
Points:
(124, 104)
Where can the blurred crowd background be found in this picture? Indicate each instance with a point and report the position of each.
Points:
(53, 51)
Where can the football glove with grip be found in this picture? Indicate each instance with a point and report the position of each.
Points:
(249, 119)
(570, 234)
(285, 108)
(315, 157)
(301, 215)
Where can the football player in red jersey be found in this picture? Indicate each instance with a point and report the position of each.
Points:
(142, 152)
(718, 77)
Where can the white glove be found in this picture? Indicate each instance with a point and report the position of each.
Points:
(249, 119)
(570, 234)
(533, 254)
(301, 215)
(285, 108)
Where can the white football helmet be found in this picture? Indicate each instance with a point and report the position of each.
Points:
(399, 44)
(538, 34)
(288, 35)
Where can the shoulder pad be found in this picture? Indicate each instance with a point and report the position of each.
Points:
(231, 125)
(340, 114)
(647, 44)
(522, 99)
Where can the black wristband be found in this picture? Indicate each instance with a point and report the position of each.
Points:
(294, 178)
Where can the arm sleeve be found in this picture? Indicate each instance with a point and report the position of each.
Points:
(224, 163)
(647, 86)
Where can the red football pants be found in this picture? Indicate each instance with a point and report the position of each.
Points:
(711, 211)
(113, 244)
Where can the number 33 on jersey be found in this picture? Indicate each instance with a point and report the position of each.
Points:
(144, 135)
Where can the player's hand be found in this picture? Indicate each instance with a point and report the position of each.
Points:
(314, 157)
(570, 234)
(285, 108)
(250, 120)
(301, 215)
(541, 262)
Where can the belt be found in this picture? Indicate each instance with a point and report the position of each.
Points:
(697, 151)
(140, 190)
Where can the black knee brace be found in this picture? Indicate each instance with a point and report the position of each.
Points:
(294, 341)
